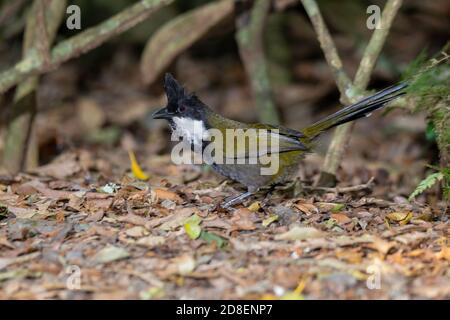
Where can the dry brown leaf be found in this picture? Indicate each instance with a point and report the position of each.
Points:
(242, 220)
(300, 233)
(151, 241)
(352, 256)
(307, 208)
(444, 254)
(177, 219)
(62, 167)
(164, 194)
(381, 245)
(341, 218)
(136, 232)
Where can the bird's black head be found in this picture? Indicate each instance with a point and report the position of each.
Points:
(180, 104)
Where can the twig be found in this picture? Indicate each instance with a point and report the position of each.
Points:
(42, 37)
(328, 47)
(342, 133)
(80, 43)
(249, 36)
(366, 186)
(350, 92)
(375, 45)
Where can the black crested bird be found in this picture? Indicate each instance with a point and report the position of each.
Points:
(191, 119)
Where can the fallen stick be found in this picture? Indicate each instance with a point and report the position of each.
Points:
(366, 186)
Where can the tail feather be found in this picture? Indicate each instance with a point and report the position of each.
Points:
(357, 110)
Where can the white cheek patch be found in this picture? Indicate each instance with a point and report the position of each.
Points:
(192, 130)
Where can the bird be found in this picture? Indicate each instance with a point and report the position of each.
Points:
(192, 120)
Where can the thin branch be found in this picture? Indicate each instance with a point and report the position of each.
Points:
(328, 47)
(42, 37)
(375, 45)
(350, 92)
(21, 150)
(342, 133)
(80, 43)
(250, 35)
(365, 186)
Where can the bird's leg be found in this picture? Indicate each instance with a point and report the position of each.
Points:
(237, 199)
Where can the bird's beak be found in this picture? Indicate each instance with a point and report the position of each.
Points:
(162, 113)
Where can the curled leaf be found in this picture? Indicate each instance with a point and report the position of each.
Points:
(400, 217)
(135, 168)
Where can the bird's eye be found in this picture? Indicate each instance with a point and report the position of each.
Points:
(181, 108)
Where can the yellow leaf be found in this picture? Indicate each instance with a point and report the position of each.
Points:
(136, 169)
(268, 296)
(255, 206)
(269, 220)
(444, 254)
(301, 285)
(400, 217)
(192, 227)
(292, 296)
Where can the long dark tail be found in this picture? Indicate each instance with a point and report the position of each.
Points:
(357, 110)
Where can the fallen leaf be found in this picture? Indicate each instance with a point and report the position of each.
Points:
(242, 220)
(136, 232)
(351, 256)
(444, 254)
(300, 233)
(255, 206)
(163, 194)
(22, 213)
(182, 265)
(109, 254)
(192, 227)
(213, 238)
(151, 241)
(381, 245)
(152, 293)
(401, 217)
(177, 219)
(297, 293)
(341, 218)
(269, 220)
(136, 169)
(62, 167)
(307, 208)
(330, 206)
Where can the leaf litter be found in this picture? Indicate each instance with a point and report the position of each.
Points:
(192, 248)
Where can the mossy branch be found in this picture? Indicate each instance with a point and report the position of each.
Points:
(350, 92)
(21, 151)
(81, 43)
(249, 35)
